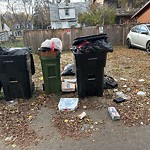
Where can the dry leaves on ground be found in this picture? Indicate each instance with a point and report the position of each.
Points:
(129, 64)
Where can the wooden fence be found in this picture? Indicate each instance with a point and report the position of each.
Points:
(116, 35)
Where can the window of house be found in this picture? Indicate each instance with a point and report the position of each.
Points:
(67, 12)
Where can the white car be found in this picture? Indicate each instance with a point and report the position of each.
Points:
(139, 36)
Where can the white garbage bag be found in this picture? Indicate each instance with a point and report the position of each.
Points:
(53, 43)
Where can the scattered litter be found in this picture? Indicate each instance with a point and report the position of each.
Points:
(141, 93)
(119, 93)
(128, 89)
(84, 107)
(119, 100)
(109, 82)
(8, 139)
(113, 113)
(70, 80)
(142, 123)
(141, 80)
(96, 123)
(68, 87)
(68, 104)
(69, 70)
(13, 145)
(124, 96)
(124, 86)
(82, 115)
(66, 120)
(123, 79)
(115, 90)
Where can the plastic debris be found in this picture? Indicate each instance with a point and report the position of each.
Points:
(124, 86)
(141, 80)
(115, 90)
(84, 107)
(120, 94)
(124, 96)
(141, 93)
(123, 79)
(68, 104)
(69, 70)
(128, 89)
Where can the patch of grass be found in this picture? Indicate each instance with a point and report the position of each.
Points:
(18, 42)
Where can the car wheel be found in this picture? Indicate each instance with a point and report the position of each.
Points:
(129, 43)
(148, 47)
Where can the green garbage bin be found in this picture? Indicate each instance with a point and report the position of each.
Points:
(51, 73)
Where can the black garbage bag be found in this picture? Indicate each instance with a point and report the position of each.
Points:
(102, 45)
(109, 82)
(92, 44)
(3, 51)
(69, 70)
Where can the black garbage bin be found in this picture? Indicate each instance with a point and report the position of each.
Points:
(90, 55)
(16, 70)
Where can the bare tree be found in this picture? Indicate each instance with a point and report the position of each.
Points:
(22, 11)
(42, 13)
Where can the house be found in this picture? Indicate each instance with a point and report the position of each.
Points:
(143, 14)
(18, 28)
(4, 31)
(65, 14)
(123, 16)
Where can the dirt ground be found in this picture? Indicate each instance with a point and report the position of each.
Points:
(37, 124)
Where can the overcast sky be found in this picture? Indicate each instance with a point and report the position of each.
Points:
(2, 6)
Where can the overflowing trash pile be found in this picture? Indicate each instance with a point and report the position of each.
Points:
(125, 97)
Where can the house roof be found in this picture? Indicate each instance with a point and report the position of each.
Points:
(146, 6)
(124, 13)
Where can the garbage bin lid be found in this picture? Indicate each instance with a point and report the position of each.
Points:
(14, 51)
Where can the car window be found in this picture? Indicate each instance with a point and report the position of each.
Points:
(135, 29)
(148, 26)
(142, 29)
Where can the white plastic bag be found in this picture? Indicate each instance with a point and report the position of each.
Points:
(56, 42)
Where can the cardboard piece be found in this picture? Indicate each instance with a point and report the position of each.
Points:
(68, 87)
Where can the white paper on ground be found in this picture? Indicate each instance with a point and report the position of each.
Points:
(68, 104)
